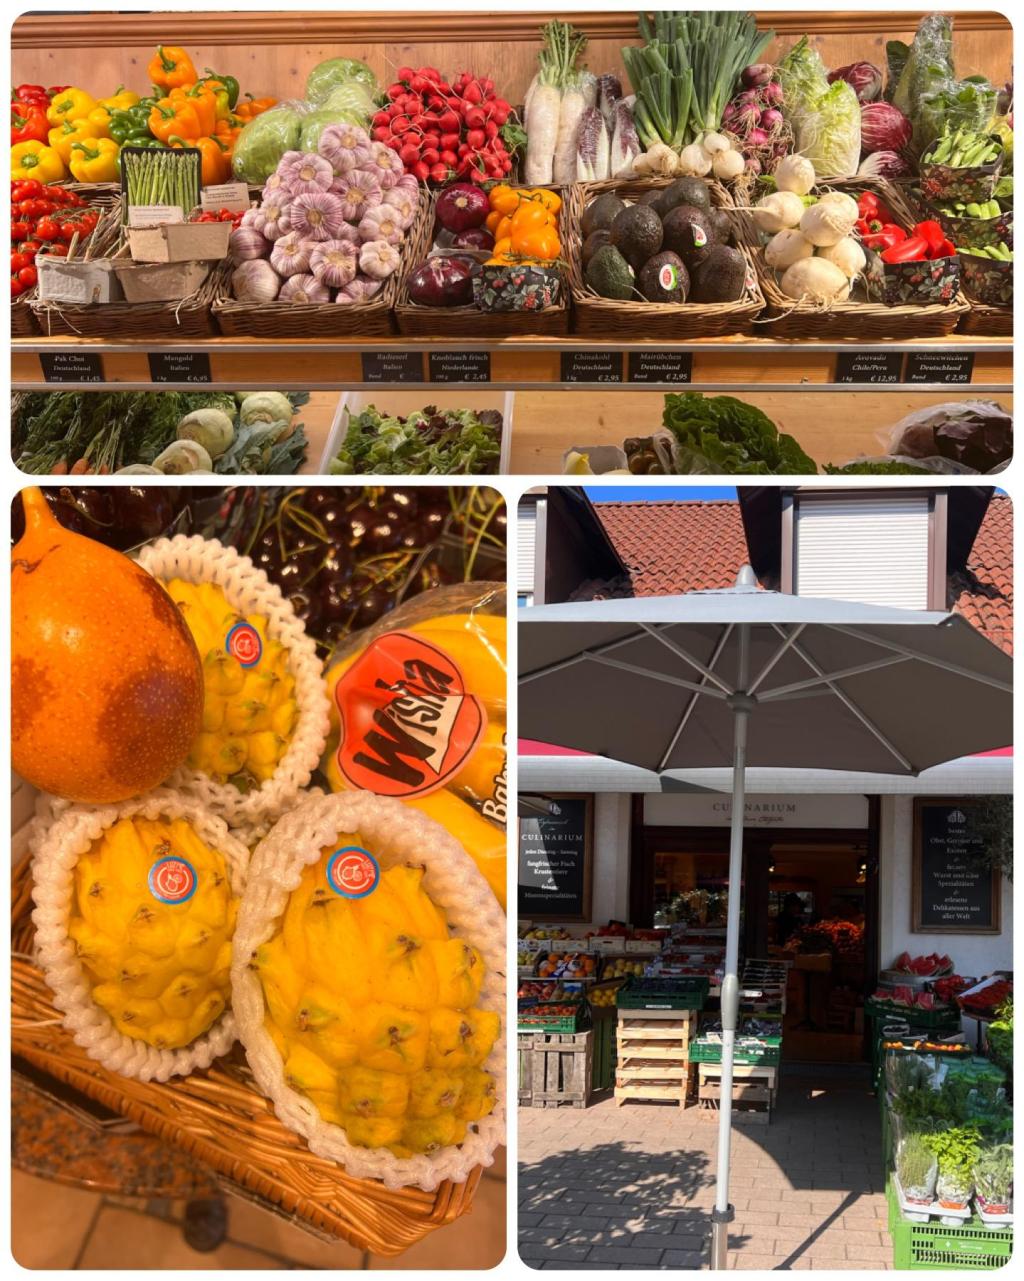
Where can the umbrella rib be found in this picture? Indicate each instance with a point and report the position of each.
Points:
(688, 711)
(561, 663)
(658, 634)
(793, 636)
(848, 702)
(1004, 687)
(788, 691)
(648, 674)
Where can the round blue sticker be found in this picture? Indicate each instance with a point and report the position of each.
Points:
(172, 880)
(353, 872)
(243, 642)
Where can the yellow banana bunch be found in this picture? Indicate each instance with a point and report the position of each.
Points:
(249, 710)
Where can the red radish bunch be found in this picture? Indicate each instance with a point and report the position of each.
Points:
(443, 131)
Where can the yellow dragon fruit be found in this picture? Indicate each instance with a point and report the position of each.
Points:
(249, 706)
(152, 919)
(374, 1006)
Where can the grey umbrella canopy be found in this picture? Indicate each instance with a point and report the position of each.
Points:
(759, 678)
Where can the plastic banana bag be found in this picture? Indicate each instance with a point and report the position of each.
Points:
(417, 706)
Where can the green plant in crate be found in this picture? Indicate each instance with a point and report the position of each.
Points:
(993, 1174)
(1000, 1037)
(916, 1167)
(956, 1150)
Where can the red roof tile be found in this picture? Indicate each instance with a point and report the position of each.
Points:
(674, 547)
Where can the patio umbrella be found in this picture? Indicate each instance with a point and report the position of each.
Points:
(754, 677)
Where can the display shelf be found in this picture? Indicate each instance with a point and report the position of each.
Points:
(985, 364)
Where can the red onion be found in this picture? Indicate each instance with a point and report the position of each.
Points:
(883, 127)
(753, 165)
(756, 138)
(756, 75)
(773, 94)
(771, 119)
(864, 78)
(885, 164)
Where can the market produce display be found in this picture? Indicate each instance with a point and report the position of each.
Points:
(158, 433)
(428, 442)
(47, 219)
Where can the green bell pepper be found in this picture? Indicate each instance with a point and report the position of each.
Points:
(231, 86)
(139, 140)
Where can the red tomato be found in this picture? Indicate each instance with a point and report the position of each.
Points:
(25, 189)
(16, 287)
(20, 231)
(56, 250)
(19, 260)
(30, 247)
(27, 277)
(47, 229)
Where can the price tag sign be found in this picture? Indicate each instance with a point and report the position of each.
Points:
(869, 367)
(180, 367)
(591, 366)
(154, 215)
(225, 195)
(71, 367)
(660, 366)
(392, 366)
(460, 366)
(939, 367)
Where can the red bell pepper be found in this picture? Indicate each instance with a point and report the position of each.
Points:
(29, 124)
(912, 249)
(885, 238)
(31, 94)
(873, 210)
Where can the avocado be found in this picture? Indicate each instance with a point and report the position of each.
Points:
(600, 213)
(684, 191)
(609, 274)
(721, 277)
(650, 198)
(664, 278)
(689, 233)
(719, 221)
(595, 241)
(637, 234)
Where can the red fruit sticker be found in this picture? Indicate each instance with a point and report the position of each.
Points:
(668, 277)
(700, 236)
(408, 723)
(353, 872)
(243, 642)
(172, 880)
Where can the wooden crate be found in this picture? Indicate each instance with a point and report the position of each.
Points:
(754, 1090)
(555, 1070)
(652, 1048)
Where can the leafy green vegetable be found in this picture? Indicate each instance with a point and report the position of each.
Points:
(876, 469)
(825, 118)
(430, 442)
(328, 75)
(723, 434)
(929, 92)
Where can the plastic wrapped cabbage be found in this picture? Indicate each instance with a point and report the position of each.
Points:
(825, 118)
(326, 76)
(351, 95)
(263, 141)
(317, 121)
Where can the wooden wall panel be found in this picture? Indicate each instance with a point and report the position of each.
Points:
(272, 53)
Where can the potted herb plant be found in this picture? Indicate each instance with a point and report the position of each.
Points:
(956, 1150)
(993, 1180)
(916, 1170)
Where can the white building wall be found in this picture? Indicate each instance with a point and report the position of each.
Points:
(610, 886)
(973, 954)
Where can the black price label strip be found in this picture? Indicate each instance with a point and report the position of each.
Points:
(180, 367)
(392, 366)
(591, 366)
(460, 366)
(869, 367)
(71, 367)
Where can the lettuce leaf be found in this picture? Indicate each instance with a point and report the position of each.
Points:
(723, 434)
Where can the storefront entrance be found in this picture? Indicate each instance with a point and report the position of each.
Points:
(810, 897)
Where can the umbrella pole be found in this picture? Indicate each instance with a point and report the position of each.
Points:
(741, 704)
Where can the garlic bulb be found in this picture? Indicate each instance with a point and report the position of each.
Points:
(246, 242)
(304, 288)
(381, 223)
(358, 191)
(345, 147)
(404, 202)
(378, 259)
(334, 262)
(255, 281)
(305, 171)
(316, 215)
(389, 167)
(290, 255)
(359, 290)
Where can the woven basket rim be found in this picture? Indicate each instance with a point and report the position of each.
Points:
(585, 299)
(254, 594)
(55, 854)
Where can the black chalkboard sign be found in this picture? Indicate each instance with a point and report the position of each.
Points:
(71, 367)
(869, 367)
(591, 366)
(939, 367)
(555, 859)
(955, 891)
(392, 366)
(660, 366)
(180, 367)
(460, 366)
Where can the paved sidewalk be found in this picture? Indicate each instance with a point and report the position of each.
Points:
(632, 1187)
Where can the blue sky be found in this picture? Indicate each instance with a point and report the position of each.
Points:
(659, 493)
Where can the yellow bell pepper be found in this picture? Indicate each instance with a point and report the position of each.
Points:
(72, 104)
(34, 160)
(99, 118)
(64, 136)
(95, 161)
(123, 100)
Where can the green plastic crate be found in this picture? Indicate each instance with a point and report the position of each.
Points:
(930, 1246)
(541, 1021)
(688, 993)
(918, 1022)
(605, 1051)
(767, 1051)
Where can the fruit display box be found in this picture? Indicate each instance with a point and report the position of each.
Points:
(663, 994)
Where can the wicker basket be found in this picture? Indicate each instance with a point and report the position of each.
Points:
(469, 322)
(985, 321)
(865, 321)
(219, 1118)
(611, 319)
(315, 320)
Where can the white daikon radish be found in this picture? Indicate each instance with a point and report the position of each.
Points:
(563, 167)
(847, 255)
(777, 212)
(787, 247)
(542, 121)
(794, 173)
(815, 280)
(829, 221)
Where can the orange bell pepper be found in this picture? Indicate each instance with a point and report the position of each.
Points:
(215, 158)
(170, 67)
(204, 101)
(253, 107)
(184, 114)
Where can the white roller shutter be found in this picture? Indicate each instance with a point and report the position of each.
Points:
(873, 550)
(526, 529)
